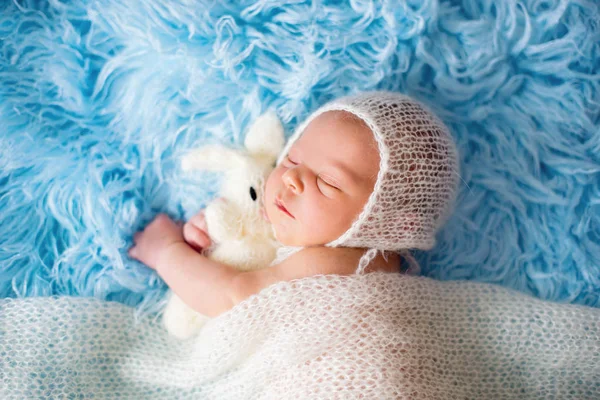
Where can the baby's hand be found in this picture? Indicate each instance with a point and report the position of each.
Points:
(195, 232)
(158, 236)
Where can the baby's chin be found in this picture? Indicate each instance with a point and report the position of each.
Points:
(286, 233)
(293, 241)
(285, 238)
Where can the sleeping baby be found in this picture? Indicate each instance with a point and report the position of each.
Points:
(363, 179)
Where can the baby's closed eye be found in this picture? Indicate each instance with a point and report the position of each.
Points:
(330, 182)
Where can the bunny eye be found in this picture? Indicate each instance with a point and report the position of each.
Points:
(253, 193)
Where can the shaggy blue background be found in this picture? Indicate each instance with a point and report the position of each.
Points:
(98, 99)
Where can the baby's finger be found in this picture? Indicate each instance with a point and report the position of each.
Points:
(136, 237)
(195, 237)
(203, 242)
(132, 252)
(199, 221)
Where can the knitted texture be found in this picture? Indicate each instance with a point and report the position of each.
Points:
(372, 336)
(418, 174)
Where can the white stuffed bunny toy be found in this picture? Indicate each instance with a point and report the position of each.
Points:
(240, 236)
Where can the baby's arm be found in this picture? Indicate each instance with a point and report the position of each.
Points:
(211, 287)
(310, 261)
(203, 284)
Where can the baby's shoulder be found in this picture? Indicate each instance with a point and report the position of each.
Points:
(332, 260)
(312, 261)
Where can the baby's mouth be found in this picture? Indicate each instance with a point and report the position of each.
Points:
(280, 205)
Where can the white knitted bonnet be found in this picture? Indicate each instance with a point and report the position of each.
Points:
(418, 174)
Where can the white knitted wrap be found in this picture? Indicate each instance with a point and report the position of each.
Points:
(418, 173)
(372, 336)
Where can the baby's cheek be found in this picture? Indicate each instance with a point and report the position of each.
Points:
(270, 190)
(314, 213)
(315, 226)
(268, 187)
(337, 220)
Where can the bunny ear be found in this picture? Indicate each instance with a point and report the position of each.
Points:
(211, 158)
(266, 135)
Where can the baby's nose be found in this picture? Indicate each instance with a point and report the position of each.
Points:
(292, 181)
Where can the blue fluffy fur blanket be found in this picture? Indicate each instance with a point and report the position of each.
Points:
(99, 99)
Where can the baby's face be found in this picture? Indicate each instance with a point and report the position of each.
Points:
(324, 182)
